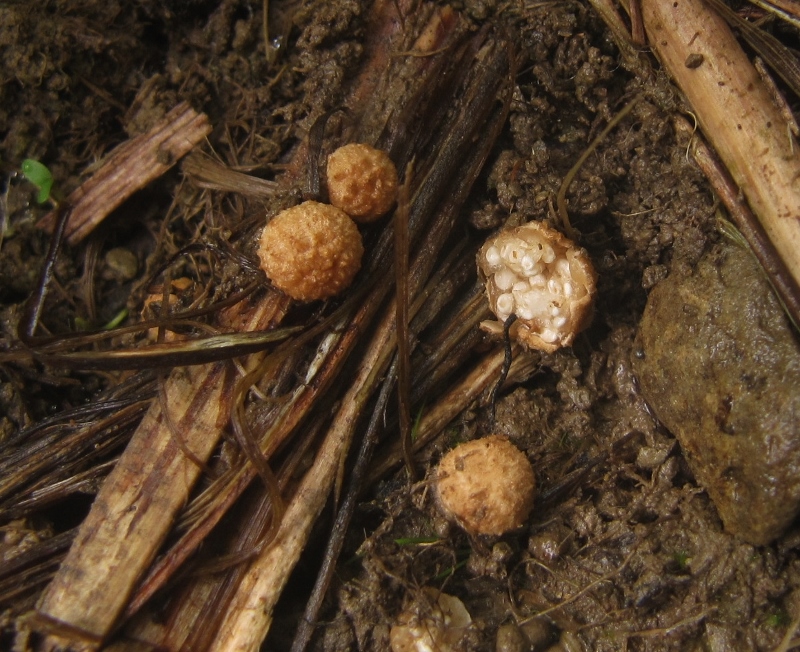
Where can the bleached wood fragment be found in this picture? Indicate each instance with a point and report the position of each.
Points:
(736, 113)
(250, 613)
(136, 506)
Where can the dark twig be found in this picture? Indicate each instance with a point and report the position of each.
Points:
(507, 359)
(402, 325)
(34, 306)
(307, 624)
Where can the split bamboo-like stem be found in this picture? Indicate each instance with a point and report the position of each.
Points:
(130, 167)
(250, 613)
(137, 503)
(736, 113)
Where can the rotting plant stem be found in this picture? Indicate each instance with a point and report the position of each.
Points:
(402, 320)
(131, 166)
(779, 276)
(736, 113)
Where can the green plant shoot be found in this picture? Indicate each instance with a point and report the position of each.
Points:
(40, 176)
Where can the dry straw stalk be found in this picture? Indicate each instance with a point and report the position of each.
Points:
(735, 111)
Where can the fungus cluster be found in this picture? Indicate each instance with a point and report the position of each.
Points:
(313, 251)
(542, 277)
(486, 486)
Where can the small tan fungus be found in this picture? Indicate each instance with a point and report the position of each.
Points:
(486, 485)
(436, 622)
(362, 181)
(546, 280)
(311, 251)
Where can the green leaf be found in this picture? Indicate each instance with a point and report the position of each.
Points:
(40, 176)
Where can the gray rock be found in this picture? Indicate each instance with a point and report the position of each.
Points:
(719, 364)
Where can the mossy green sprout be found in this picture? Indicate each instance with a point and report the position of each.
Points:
(681, 559)
(447, 572)
(417, 541)
(778, 619)
(40, 176)
(415, 427)
(82, 324)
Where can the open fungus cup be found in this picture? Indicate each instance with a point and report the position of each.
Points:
(546, 280)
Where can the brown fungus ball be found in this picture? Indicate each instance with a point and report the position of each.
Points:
(486, 485)
(311, 251)
(546, 280)
(362, 181)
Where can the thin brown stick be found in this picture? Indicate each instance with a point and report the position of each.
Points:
(402, 321)
(309, 620)
(660, 632)
(249, 444)
(637, 26)
(631, 58)
(605, 578)
(205, 172)
(747, 223)
(561, 198)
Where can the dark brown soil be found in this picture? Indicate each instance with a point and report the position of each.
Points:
(629, 554)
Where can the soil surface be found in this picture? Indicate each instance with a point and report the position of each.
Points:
(624, 549)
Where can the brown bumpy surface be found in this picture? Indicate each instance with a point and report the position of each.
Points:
(311, 251)
(362, 181)
(486, 485)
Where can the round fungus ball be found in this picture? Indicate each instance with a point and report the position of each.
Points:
(546, 280)
(362, 181)
(311, 251)
(486, 485)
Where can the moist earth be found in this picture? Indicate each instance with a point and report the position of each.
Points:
(624, 549)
